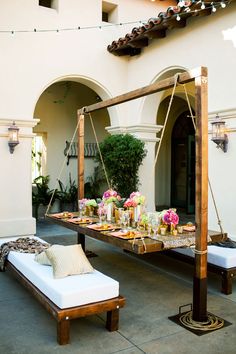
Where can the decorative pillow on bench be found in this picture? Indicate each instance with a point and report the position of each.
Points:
(66, 260)
(42, 258)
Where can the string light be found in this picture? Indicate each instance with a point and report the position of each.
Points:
(213, 9)
(204, 5)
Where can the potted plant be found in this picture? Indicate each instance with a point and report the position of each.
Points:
(41, 195)
(68, 195)
(122, 155)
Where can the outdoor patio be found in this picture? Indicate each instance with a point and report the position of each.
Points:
(154, 286)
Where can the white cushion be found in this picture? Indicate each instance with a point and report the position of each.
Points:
(71, 291)
(220, 256)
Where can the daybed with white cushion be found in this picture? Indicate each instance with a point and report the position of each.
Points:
(69, 297)
(220, 260)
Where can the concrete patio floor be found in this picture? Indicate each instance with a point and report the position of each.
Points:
(154, 286)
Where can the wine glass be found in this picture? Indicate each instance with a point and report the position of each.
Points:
(120, 212)
(124, 220)
(155, 226)
(81, 208)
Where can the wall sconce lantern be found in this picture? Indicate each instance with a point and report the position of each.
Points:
(219, 136)
(13, 138)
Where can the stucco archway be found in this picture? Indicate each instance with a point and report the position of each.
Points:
(154, 109)
(57, 108)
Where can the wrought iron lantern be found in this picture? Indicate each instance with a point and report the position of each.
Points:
(219, 136)
(13, 138)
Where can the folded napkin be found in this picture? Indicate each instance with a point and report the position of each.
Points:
(79, 220)
(101, 227)
(191, 228)
(62, 215)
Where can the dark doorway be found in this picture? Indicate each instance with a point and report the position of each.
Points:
(183, 164)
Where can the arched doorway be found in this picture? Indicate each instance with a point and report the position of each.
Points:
(57, 110)
(183, 164)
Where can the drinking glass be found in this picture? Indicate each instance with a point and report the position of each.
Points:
(155, 226)
(124, 220)
(81, 208)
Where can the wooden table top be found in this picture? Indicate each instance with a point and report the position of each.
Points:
(138, 246)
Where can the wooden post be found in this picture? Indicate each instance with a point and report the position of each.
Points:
(200, 267)
(81, 156)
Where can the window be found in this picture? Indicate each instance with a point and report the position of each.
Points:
(105, 16)
(109, 12)
(38, 155)
(45, 3)
(51, 4)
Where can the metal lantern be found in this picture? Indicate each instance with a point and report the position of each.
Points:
(13, 138)
(219, 136)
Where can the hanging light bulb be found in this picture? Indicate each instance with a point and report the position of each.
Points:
(222, 4)
(203, 6)
(178, 18)
(213, 9)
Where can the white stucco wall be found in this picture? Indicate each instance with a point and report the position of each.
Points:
(31, 62)
(201, 43)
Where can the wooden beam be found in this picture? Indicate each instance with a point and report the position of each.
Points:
(155, 33)
(138, 43)
(165, 84)
(201, 212)
(81, 156)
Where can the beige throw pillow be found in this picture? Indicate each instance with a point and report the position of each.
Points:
(42, 258)
(68, 260)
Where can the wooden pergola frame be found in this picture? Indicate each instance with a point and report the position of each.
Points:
(200, 78)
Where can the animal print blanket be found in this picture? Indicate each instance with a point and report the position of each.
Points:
(23, 245)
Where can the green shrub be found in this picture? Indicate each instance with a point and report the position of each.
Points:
(122, 155)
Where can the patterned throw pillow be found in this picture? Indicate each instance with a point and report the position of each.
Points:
(68, 260)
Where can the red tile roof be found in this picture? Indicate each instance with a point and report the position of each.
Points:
(156, 27)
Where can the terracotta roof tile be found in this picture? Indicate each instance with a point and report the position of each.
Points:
(156, 27)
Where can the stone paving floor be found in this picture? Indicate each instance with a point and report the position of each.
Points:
(154, 286)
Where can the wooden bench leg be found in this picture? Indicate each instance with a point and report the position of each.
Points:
(112, 323)
(63, 332)
(226, 284)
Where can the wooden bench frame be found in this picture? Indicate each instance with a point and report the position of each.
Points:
(227, 274)
(63, 316)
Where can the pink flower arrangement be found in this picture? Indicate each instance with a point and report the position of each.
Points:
(130, 203)
(138, 198)
(170, 217)
(110, 196)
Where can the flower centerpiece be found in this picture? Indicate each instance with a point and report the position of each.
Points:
(138, 198)
(170, 218)
(91, 204)
(139, 201)
(130, 204)
(109, 198)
